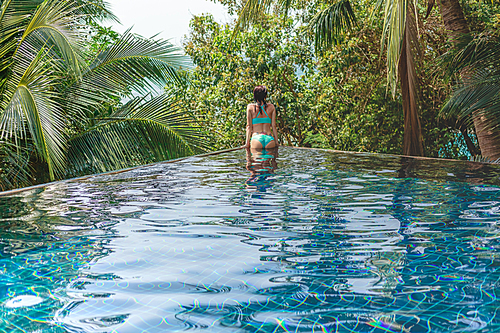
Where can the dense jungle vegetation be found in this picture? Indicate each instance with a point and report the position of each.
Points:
(332, 71)
(384, 76)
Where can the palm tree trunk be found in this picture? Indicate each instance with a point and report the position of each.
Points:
(453, 18)
(412, 139)
(470, 145)
(454, 22)
(489, 140)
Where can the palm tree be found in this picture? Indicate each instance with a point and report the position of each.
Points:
(399, 37)
(473, 58)
(51, 100)
(477, 96)
(137, 133)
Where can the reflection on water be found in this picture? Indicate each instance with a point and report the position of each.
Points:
(262, 164)
(327, 242)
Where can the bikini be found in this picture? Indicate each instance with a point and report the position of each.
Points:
(263, 138)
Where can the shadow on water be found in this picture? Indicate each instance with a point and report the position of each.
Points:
(327, 242)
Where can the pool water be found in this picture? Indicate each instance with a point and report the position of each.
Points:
(312, 241)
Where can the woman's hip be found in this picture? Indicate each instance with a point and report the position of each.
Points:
(263, 138)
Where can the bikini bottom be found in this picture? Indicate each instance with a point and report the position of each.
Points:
(264, 139)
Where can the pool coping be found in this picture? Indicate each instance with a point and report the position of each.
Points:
(392, 155)
(34, 187)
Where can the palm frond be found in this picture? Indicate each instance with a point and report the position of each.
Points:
(484, 159)
(394, 26)
(140, 132)
(478, 95)
(97, 10)
(38, 38)
(31, 107)
(14, 17)
(477, 58)
(330, 23)
(472, 52)
(254, 10)
(14, 168)
(132, 64)
(14, 12)
(251, 11)
(53, 25)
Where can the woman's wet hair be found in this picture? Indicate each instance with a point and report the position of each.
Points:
(259, 93)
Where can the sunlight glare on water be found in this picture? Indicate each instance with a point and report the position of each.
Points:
(310, 241)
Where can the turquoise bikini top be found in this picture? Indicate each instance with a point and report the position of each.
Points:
(263, 120)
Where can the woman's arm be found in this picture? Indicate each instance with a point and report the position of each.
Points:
(249, 127)
(273, 124)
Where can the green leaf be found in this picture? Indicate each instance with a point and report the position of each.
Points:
(14, 168)
(142, 131)
(331, 23)
(32, 105)
(478, 94)
(132, 64)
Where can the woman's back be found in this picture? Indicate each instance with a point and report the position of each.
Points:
(261, 121)
(261, 117)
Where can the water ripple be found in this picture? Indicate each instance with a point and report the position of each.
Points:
(329, 242)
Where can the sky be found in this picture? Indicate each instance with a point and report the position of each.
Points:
(170, 18)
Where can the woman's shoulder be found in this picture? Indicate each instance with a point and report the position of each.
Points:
(270, 107)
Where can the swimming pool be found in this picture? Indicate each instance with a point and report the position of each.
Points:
(317, 242)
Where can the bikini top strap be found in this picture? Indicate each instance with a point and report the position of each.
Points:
(263, 109)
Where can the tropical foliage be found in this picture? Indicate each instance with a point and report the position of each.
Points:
(335, 18)
(335, 99)
(63, 80)
(340, 97)
(476, 96)
(412, 35)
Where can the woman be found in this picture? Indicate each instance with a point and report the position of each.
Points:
(261, 122)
